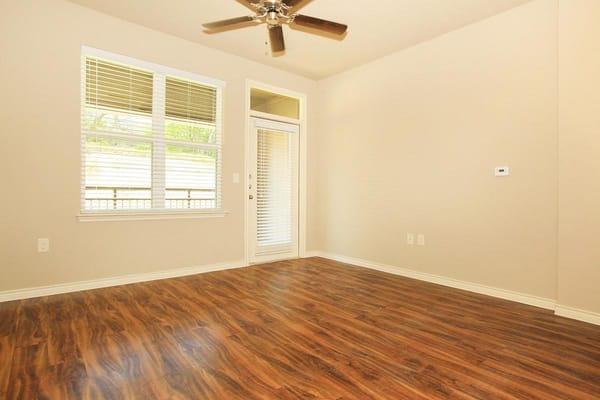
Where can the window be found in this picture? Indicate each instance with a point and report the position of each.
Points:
(274, 103)
(151, 138)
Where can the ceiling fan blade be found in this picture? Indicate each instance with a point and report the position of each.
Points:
(276, 37)
(320, 24)
(249, 3)
(297, 4)
(227, 23)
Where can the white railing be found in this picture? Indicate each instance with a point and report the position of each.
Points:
(122, 198)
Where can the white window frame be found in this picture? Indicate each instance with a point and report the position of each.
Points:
(160, 73)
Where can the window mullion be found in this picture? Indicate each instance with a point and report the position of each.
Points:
(159, 147)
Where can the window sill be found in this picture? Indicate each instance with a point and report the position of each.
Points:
(148, 215)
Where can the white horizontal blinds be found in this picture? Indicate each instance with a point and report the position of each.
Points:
(191, 101)
(118, 98)
(275, 191)
(149, 141)
(117, 136)
(193, 151)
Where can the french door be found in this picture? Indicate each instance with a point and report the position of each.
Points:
(273, 191)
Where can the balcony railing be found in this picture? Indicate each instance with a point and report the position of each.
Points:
(120, 198)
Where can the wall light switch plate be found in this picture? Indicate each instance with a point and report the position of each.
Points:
(502, 171)
(236, 178)
(421, 240)
(410, 239)
(43, 245)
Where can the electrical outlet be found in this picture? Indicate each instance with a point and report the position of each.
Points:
(421, 240)
(410, 239)
(43, 245)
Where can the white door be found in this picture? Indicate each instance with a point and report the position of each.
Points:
(273, 191)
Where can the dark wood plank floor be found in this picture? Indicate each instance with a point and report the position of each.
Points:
(305, 329)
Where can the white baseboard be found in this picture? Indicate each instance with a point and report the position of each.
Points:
(549, 304)
(580, 315)
(450, 282)
(115, 281)
(560, 310)
(312, 253)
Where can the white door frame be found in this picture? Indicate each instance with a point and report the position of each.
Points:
(302, 160)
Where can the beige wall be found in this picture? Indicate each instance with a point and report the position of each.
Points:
(409, 143)
(579, 150)
(40, 156)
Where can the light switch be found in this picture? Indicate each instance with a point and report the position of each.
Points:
(236, 178)
(410, 239)
(421, 240)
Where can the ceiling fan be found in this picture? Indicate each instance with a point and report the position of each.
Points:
(275, 13)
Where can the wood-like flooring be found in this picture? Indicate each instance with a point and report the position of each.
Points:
(302, 329)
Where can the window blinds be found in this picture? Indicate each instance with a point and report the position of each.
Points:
(191, 101)
(149, 140)
(275, 191)
(118, 87)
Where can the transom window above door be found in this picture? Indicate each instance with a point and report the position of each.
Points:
(266, 102)
(151, 137)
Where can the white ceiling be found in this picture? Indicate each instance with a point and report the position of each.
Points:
(377, 28)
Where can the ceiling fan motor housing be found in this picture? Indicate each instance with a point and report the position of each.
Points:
(271, 3)
(272, 18)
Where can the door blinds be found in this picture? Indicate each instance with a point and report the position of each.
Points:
(275, 205)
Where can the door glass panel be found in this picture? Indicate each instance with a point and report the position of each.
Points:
(274, 202)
